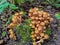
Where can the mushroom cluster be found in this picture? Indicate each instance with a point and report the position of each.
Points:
(16, 19)
(40, 21)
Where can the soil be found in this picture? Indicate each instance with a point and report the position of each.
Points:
(55, 28)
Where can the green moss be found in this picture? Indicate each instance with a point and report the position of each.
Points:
(48, 31)
(57, 16)
(3, 34)
(24, 30)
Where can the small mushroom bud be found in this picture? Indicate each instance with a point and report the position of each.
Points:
(37, 25)
(36, 9)
(34, 39)
(14, 17)
(29, 14)
(32, 17)
(1, 41)
(11, 36)
(48, 18)
(30, 24)
(32, 33)
(14, 38)
(39, 43)
(44, 27)
(16, 13)
(21, 13)
(35, 12)
(38, 22)
(40, 28)
(38, 37)
(10, 30)
(33, 22)
(32, 36)
(40, 15)
(39, 12)
(41, 34)
(36, 18)
(31, 10)
(35, 35)
(36, 31)
(33, 26)
(40, 18)
(48, 15)
(44, 13)
(44, 31)
(46, 22)
(51, 19)
(36, 28)
(46, 36)
(45, 16)
(34, 43)
(42, 23)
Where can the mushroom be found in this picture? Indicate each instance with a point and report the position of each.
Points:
(16, 19)
(40, 21)
(21, 13)
(46, 36)
(38, 37)
(34, 43)
(16, 13)
(1, 41)
(40, 28)
(11, 25)
(36, 31)
(32, 17)
(39, 43)
(32, 32)
(42, 34)
(51, 19)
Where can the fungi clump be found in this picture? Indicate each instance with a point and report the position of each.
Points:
(16, 19)
(40, 21)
